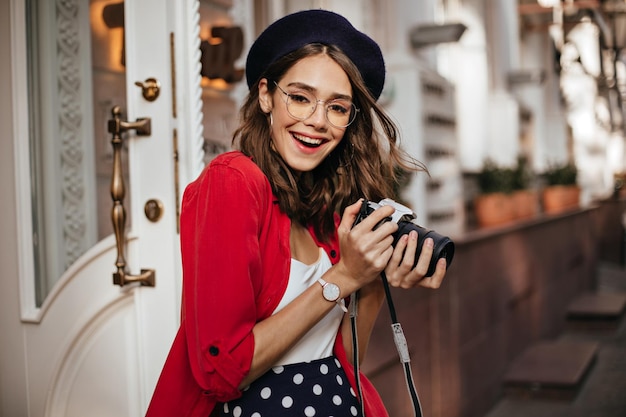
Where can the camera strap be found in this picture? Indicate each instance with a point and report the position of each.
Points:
(401, 347)
(401, 212)
(354, 305)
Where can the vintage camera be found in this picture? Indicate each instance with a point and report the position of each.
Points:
(443, 246)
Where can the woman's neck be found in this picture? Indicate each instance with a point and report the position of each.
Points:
(303, 247)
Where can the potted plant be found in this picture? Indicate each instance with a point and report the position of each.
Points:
(561, 192)
(493, 206)
(525, 200)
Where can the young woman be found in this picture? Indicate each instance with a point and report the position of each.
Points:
(264, 330)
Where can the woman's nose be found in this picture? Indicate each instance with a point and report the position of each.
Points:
(318, 118)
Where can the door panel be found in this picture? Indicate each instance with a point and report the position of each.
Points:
(152, 176)
(78, 312)
(94, 348)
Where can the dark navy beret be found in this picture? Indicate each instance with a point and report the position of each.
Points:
(317, 26)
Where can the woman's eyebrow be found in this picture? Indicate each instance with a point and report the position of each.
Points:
(314, 91)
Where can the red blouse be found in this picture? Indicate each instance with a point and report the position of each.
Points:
(235, 258)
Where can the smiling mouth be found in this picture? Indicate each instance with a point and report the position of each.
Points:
(307, 141)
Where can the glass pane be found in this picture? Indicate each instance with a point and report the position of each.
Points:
(76, 75)
(220, 108)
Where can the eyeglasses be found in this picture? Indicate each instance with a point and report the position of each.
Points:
(301, 105)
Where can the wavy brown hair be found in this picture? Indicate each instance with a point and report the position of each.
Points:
(364, 164)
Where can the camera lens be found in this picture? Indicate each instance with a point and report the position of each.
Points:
(443, 246)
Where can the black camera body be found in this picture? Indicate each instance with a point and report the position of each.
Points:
(403, 216)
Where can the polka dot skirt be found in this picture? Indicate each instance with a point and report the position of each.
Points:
(319, 388)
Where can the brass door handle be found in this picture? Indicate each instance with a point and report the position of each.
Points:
(116, 127)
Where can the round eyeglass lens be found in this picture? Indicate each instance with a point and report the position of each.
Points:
(339, 112)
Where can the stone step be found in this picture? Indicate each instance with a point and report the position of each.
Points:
(596, 311)
(550, 370)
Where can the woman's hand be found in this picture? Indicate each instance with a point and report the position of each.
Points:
(365, 248)
(400, 272)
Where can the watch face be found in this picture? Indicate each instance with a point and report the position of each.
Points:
(331, 292)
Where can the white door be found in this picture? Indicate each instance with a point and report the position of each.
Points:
(93, 347)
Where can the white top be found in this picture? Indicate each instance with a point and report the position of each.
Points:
(319, 341)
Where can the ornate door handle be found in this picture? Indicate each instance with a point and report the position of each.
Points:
(116, 127)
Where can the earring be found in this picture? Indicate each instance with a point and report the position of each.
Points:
(271, 119)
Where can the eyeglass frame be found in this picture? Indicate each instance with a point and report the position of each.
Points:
(317, 101)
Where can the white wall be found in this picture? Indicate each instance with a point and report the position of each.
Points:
(588, 114)
(469, 71)
(549, 128)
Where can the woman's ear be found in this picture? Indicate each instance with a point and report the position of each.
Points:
(265, 97)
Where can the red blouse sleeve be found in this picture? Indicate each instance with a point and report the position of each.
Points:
(221, 216)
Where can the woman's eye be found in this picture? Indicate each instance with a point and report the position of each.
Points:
(299, 98)
(339, 108)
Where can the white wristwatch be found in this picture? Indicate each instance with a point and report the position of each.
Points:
(331, 292)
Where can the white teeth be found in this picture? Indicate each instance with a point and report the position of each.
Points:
(308, 140)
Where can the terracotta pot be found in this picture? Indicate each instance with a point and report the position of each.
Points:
(493, 209)
(560, 198)
(525, 204)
